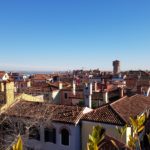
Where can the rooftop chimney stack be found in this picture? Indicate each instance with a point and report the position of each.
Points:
(139, 89)
(95, 86)
(148, 92)
(74, 88)
(60, 85)
(121, 91)
(1, 87)
(88, 95)
(105, 96)
(90, 88)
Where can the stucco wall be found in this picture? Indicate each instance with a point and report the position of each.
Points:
(56, 96)
(29, 98)
(68, 101)
(111, 130)
(74, 139)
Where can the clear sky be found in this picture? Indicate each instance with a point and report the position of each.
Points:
(71, 34)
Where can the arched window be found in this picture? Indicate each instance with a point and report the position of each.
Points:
(66, 95)
(64, 137)
(34, 133)
(50, 135)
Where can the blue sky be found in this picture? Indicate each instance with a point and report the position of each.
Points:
(71, 34)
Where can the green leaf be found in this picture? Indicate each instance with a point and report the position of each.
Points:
(132, 142)
(114, 143)
(134, 123)
(98, 134)
(122, 130)
(141, 129)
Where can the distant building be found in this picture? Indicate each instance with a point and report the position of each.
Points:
(3, 76)
(116, 67)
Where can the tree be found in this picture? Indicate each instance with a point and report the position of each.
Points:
(12, 127)
(98, 134)
(97, 139)
(138, 126)
(122, 130)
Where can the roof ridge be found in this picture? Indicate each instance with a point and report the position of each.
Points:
(111, 110)
(80, 115)
(118, 100)
(124, 98)
(120, 117)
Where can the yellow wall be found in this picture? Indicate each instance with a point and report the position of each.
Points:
(1, 87)
(9, 91)
(28, 98)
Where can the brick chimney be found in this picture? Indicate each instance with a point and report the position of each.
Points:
(121, 92)
(139, 89)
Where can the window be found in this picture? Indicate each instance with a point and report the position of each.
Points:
(50, 135)
(7, 128)
(34, 133)
(87, 88)
(66, 95)
(64, 137)
(29, 148)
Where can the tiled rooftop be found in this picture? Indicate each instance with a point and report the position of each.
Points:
(58, 113)
(104, 114)
(131, 106)
(119, 111)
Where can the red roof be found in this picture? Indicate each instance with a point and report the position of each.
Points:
(104, 114)
(131, 106)
(43, 110)
(120, 111)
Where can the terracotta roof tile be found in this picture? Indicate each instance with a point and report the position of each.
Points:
(131, 106)
(104, 114)
(58, 113)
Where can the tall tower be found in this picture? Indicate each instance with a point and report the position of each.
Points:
(116, 67)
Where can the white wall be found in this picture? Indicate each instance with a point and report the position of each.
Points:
(5, 77)
(56, 96)
(74, 139)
